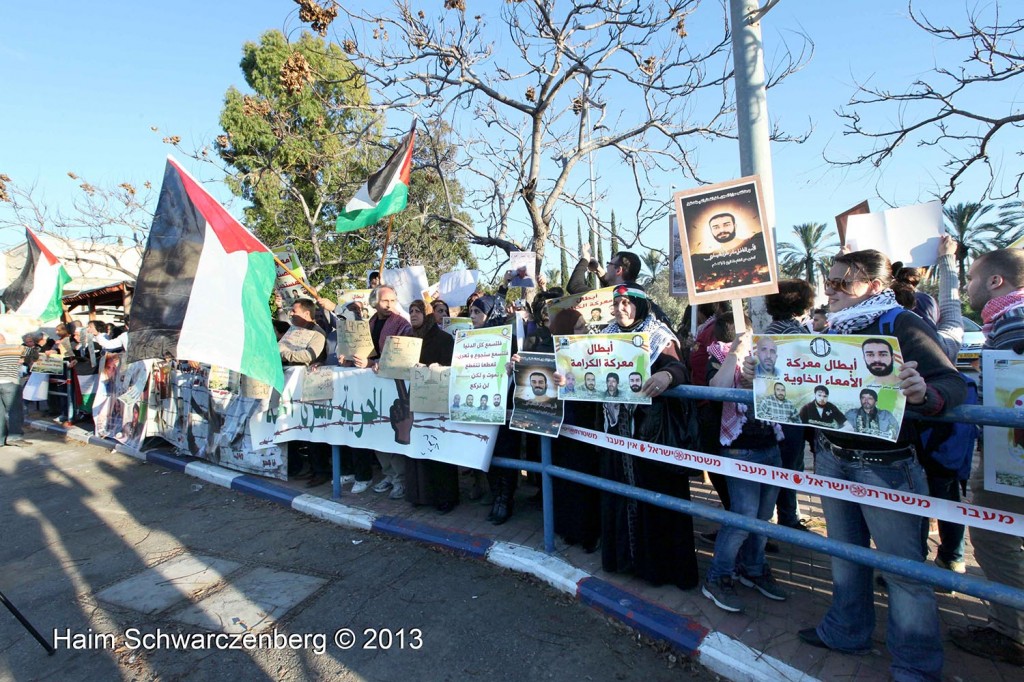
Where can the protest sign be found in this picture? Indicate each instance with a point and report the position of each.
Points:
(478, 378)
(428, 389)
(408, 283)
(286, 285)
(455, 287)
(521, 266)
(836, 382)
(726, 246)
(595, 307)
(843, 217)
(317, 385)
(454, 324)
(354, 339)
(359, 297)
(398, 356)
(608, 368)
(49, 364)
(535, 404)
(1003, 386)
(370, 412)
(910, 234)
(675, 259)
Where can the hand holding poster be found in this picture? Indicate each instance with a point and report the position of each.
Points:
(535, 406)
(595, 307)
(835, 383)
(1003, 386)
(354, 339)
(522, 265)
(399, 355)
(353, 298)
(610, 368)
(479, 378)
(726, 246)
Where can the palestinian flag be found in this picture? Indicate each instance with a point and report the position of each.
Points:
(385, 192)
(204, 286)
(38, 289)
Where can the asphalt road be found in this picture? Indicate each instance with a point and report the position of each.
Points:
(91, 540)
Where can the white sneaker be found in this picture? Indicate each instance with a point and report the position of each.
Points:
(397, 492)
(383, 486)
(348, 478)
(360, 487)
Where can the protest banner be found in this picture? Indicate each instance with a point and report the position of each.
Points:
(49, 363)
(595, 307)
(522, 265)
(836, 382)
(399, 355)
(609, 368)
(909, 234)
(454, 324)
(428, 389)
(677, 283)
(371, 413)
(727, 248)
(1003, 386)
(478, 377)
(354, 339)
(535, 404)
(286, 285)
(843, 217)
(318, 385)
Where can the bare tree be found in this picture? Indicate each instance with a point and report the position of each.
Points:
(567, 80)
(956, 109)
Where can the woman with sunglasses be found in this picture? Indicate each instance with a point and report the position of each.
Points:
(651, 542)
(859, 288)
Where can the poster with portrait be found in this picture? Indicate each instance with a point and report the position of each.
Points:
(675, 259)
(454, 324)
(479, 379)
(831, 382)
(594, 306)
(522, 265)
(288, 285)
(607, 368)
(1003, 386)
(535, 404)
(725, 242)
(354, 304)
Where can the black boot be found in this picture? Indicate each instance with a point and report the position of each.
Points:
(504, 502)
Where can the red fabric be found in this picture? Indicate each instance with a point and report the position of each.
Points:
(995, 308)
(699, 355)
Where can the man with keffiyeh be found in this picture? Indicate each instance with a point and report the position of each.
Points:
(995, 286)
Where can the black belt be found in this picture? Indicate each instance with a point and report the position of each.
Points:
(884, 457)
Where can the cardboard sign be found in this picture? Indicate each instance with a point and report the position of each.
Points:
(354, 339)
(399, 355)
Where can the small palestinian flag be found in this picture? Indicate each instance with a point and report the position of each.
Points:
(38, 290)
(204, 286)
(385, 192)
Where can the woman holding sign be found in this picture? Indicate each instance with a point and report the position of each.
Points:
(651, 542)
(861, 300)
(427, 481)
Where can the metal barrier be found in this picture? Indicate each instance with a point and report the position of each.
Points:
(921, 571)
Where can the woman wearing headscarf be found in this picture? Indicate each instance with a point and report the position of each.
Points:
(441, 311)
(651, 542)
(861, 298)
(428, 481)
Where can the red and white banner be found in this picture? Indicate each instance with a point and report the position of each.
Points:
(812, 484)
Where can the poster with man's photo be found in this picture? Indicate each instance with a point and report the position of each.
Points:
(832, 382)
(535, 404)
(725, 241)
(607, 368)
(479, 379)
(1003, 386)
(594, 307)
(286, 284)
(522, 265)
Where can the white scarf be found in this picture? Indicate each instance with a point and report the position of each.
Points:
(857, 317)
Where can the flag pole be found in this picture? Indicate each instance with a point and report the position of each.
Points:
(305, 286)
(387, 238)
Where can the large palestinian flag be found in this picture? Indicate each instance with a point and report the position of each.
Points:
(204, 287)
(38, 289)
(385, 192)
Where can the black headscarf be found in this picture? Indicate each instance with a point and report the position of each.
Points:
(493, 307)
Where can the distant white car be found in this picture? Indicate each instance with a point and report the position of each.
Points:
(969, 356)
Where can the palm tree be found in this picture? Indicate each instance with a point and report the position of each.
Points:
(964, 223)
(812, 252)
(653, 259)
(1011, 215)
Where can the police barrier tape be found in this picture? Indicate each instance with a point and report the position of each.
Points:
(911, 503)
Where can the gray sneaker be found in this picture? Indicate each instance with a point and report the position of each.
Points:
(397, 492)
(765, 584)
(722, 591)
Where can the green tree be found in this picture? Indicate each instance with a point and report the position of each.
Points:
(298, 146)
(564, 259)
(810, 254)
(616, 245)
(653, 260)
(967, 225)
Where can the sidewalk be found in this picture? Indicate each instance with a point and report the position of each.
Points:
(768, 629)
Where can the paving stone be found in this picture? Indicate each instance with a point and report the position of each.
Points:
(168, 583)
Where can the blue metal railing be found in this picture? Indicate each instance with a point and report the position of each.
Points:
(921, 571)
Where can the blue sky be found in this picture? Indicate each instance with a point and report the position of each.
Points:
(81, 84)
